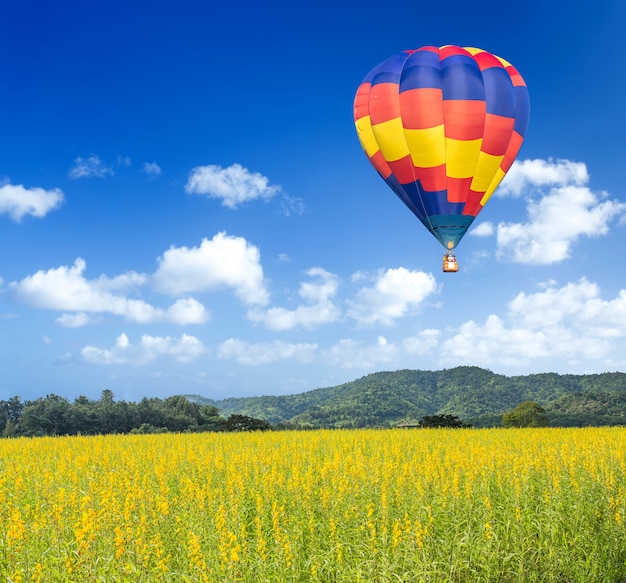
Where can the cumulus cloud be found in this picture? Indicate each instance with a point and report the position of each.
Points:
(577, 304)
(494, 343)
(76, 320)
(186, 311)
(223, 261)
(354, 354)
(183, 349)
(357, 354)
(395, 292)
(561, 209)
(89, 167)
(555, 223)
(151, 169)
(319, 308)
(422, 343)
(560, 328)
(66, 289)
(265, 352)
(484, 229)
(539, 173)
(18, 201)
(233, 185)
(571, 323)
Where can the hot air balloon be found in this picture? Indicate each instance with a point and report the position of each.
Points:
(442, 126)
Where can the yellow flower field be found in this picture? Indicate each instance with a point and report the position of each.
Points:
(326, 506)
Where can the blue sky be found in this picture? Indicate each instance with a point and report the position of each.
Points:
(185, 206)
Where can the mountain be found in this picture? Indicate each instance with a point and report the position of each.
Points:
(476, 395)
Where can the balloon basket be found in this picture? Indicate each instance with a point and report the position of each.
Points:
(450, 264)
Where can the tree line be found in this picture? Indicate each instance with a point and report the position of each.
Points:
(55, 415)
(478, 396)
(387, 399)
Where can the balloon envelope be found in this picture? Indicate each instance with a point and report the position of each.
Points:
(442, 126)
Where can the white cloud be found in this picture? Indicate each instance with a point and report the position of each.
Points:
(187, 311)
(66, 289)
(394, 293)
(76, 320)
(319, 309)
(131, 280)
(571, 324)
(577, 305)
(422, 343)
(359, 276)
(184, 349)
(290, 205)
(353, 354)
(319, 291)
(536, 173)
(151, 169)
(493, 343)
(561, 209)
(555, 223)
(18, 201)
(264, 353)
(556, 328)
(223, 261)
(484, 229)
(89, 167)
(233, 185)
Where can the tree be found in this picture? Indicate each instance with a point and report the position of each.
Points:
(526, 414)
(82, 416)
(245, 423)
(147, 428)
(46, 416)
(442, 421)
(114, 416)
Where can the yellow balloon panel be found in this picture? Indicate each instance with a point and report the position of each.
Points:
(366, 135)
(462, 157)
(427, 147)
(391, 141)
(500, 174)
(485, 171)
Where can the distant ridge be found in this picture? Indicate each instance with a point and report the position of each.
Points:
(386, 399)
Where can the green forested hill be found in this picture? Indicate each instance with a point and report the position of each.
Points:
(476, 395)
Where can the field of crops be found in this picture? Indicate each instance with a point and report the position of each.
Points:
(367, 505)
